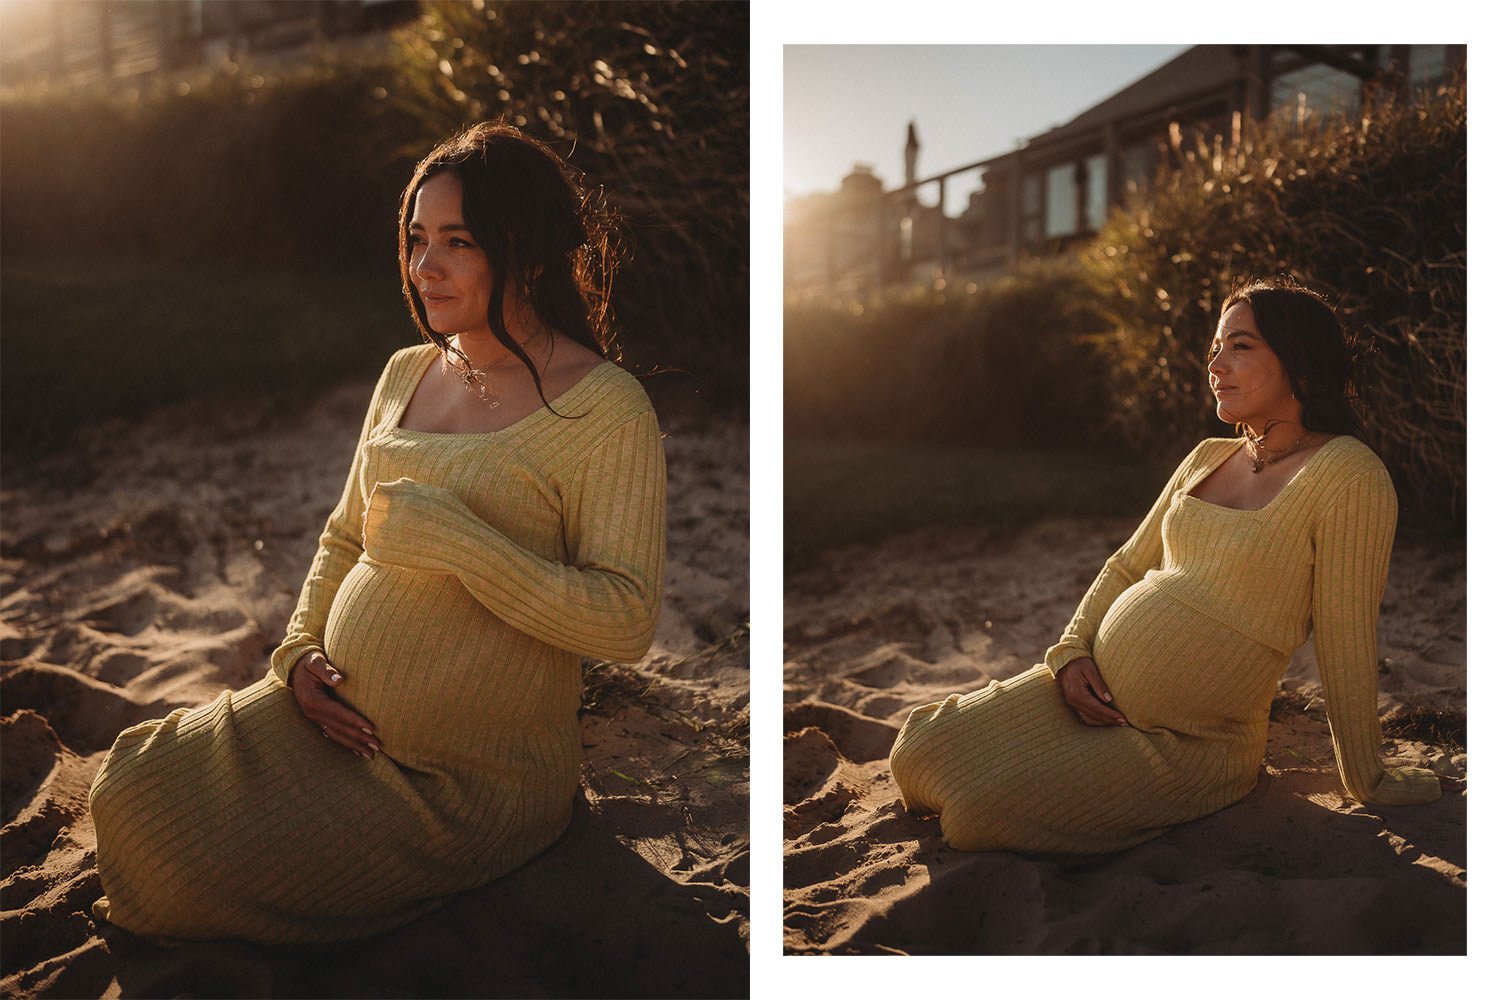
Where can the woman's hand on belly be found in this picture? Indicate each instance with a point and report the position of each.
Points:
(1087, 695)
(313, 680)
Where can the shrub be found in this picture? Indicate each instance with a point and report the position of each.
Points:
(277, 178)
(1004, 364)
(292, 169)
(1369, 211)
(652, 101)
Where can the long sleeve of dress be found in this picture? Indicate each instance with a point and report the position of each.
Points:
(338, 549)
(1352, 548)
(1141, 552)
(603, 602)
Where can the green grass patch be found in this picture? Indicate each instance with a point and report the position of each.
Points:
(843, 492)
(87, 340)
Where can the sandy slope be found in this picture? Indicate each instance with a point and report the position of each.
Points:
(872, 631)
(154, 565)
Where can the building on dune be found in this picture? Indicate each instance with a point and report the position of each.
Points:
(1056, 189)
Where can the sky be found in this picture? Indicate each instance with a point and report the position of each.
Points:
(847, 104)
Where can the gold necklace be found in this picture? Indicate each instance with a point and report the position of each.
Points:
(1259, 460)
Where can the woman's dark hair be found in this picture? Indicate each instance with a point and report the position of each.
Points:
(535, 223)
(1308, 339)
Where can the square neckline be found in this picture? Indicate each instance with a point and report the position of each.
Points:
(1187, 491)
(394, 426)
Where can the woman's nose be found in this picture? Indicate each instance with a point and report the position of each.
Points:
(424, 263)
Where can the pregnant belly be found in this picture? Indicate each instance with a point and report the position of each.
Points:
(434, 669)
(1170, 666)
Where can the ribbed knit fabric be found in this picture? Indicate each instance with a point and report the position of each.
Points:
(456, 609)
(1192, 623)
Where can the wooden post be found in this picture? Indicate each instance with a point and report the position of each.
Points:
(1017, 205)
(942, 207)
(1112, 194)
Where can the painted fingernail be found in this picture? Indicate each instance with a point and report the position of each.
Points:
(366, 732)
(373, 748)
(334, 677)
(1108, 696)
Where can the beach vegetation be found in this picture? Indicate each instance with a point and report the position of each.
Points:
(1102, 351)
(1369, 210)
(201, 231)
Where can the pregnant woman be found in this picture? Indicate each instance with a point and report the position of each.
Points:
(504, 515)
(1152, 708)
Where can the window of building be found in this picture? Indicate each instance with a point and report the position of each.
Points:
(1062, 200)
(1327, 91)
(1135, 167)
(1096, 191)
(1426, 66)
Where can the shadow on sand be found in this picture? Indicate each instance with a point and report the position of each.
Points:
(588, 918)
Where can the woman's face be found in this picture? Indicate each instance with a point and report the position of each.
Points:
(448, 269)
(1247, 378)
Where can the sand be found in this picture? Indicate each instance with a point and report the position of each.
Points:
(1295, 868)
(153, 564)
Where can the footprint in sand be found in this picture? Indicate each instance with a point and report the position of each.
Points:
(127, 616)
(31, 753)
(857, 737)
(808, 759)
(86, 714)
(885, 674)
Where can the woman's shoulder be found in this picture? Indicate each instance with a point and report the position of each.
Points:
(403, 367)
(1214, 446)
(613, 394)
(413, 357)
(608, 413)
(1344, 460)
(1206, 456)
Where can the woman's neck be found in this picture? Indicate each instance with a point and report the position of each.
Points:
(1277, 432)
(486, 353)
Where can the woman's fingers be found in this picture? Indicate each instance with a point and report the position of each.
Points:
(317, 664)
(1090, 710)
(345, 728)
(343, 725)
(1096, 683)
(1086, 694)
(313, 686)
(339, 714)
(1093, 712)
(350, 739)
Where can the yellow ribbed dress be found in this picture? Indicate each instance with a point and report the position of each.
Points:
(456, 585)
(1192, 623)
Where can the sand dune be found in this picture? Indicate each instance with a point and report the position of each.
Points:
(153, 565)
(1297, 867)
